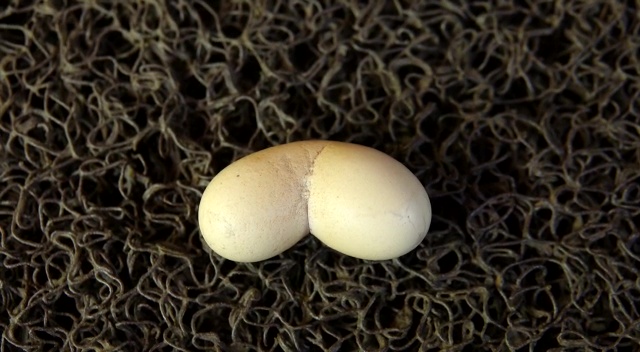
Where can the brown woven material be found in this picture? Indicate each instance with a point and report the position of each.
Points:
(522, 121)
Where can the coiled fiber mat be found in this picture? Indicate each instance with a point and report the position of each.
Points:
(521, 118)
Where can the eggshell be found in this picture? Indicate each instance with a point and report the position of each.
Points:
(355, 199)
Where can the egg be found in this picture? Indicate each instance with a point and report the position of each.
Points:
(356, 200)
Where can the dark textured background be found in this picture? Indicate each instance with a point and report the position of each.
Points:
(521, 118)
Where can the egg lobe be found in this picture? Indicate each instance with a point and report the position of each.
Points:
(256, 207)
(366, 204)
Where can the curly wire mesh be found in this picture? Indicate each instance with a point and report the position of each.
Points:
(520, 118)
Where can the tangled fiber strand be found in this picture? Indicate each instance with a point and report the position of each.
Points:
(521, 120)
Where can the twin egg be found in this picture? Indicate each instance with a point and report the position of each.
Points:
(354, 199)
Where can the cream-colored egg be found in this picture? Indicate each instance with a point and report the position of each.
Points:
(356, 200)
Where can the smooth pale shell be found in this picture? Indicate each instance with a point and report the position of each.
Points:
(356, 200)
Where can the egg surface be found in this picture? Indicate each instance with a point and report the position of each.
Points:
(355, 199)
